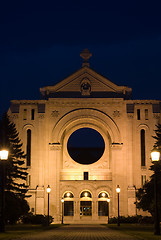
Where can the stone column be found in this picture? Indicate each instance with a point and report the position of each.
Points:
(54, 181)
(131, 200)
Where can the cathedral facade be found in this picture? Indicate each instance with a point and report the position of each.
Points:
(85, 101)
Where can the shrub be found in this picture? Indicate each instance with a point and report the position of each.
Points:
(36, 219)
(146, 220)
(129, 219)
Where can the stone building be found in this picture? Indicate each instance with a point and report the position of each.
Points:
(85, 101)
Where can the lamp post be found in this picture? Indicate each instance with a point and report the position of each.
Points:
(118, 192)
(108, 200)
(155, 156)
(62, 201)
(48, 192)
(3, 157)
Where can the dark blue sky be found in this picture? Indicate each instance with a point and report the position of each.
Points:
(40, 43)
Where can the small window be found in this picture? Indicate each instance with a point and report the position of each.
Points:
(142, 139)
(143, 180)
(85, 175)
(32, 114)
(25, 114)
(138, 114)
(146, 114)
(28, 147)
(28, 180)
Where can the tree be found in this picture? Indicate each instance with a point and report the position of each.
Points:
(145, 195)
(15, 173)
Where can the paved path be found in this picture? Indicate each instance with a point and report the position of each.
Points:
(79, 232)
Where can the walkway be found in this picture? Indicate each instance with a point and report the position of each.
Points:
(79, 232)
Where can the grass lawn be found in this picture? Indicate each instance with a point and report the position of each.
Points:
(15, 231)
(141, 231)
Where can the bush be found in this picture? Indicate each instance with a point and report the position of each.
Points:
(132, 219)
(36, 219)
(146, 220)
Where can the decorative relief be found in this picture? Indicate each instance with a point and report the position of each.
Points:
(102, 165)
(130, 115)
(14, 116)
(69, 164)
(41, 116)
(156, 115)
(85, 87)
(55, 146)
(116, 145)
(116, 113)
(55, 113)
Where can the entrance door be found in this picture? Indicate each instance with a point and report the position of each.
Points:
(86, 208)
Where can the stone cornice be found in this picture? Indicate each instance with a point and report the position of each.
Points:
(85, 102)
(25, 102)
(142, 102)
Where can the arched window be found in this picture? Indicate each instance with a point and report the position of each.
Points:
(142, 140)
(28, 150)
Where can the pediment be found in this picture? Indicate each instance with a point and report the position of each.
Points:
(85, 81)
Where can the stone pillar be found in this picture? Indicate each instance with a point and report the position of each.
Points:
(94, 209)
(54, 181)
(76, 210)
(40, 201)
(131, 200)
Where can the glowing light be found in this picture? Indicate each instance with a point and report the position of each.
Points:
(103, 194)
(68, 194)
(48, 189)
(3, 154)
(155, 155)
(108, 200)
(62, 200)
(86, 194)
(118, 189)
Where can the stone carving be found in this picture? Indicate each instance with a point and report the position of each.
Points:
(130, 115)
(41, 116)
(116, 113)
(14, 116)
(55, 113)
(69, 164)
(85, 54)
(156, 115)
(55, 146)
(85, 87)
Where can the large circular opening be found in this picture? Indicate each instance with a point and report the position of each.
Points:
(85, 146)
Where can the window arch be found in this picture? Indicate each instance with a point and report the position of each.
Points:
(85, 194)
(68, 195)
(28, 150)
(142, 141)
(103, 196)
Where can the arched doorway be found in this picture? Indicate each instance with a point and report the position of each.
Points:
(103, 204)
(85, 204)
(68, 204)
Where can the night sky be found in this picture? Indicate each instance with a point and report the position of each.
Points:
(40, 43)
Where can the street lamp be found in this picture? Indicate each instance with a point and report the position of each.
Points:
(3, 158)
(48, 192)
(108, 200)
(118, 218)
(155, 156)
(62, 200)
